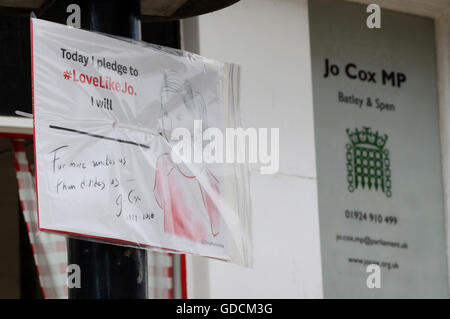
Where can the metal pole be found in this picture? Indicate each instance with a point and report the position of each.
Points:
(109, 271)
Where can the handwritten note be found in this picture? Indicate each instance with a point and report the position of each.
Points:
(103, 171)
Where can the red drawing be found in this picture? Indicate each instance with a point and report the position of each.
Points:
(177, 194)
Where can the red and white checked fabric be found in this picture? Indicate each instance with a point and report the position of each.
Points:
(160, 275)
(49, 250)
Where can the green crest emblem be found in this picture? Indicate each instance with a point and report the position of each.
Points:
(368, 163)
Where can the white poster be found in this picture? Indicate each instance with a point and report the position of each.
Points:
(104, 112)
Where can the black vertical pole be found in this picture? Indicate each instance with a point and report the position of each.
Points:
(109, 271)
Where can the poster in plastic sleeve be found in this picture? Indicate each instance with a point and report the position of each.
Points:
(104, 113)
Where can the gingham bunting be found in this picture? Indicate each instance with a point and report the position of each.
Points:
(49, 250)
(160, 275)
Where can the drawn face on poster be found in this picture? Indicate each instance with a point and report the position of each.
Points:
(180, 104)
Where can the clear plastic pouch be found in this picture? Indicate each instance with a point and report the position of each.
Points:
(106, 115)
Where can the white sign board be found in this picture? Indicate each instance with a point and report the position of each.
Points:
(378, 153)
(104, 109)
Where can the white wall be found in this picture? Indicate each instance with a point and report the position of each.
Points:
(270, 40)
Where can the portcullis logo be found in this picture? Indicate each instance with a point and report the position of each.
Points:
(368, 162)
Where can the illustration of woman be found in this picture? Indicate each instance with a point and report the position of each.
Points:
(187, 193)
